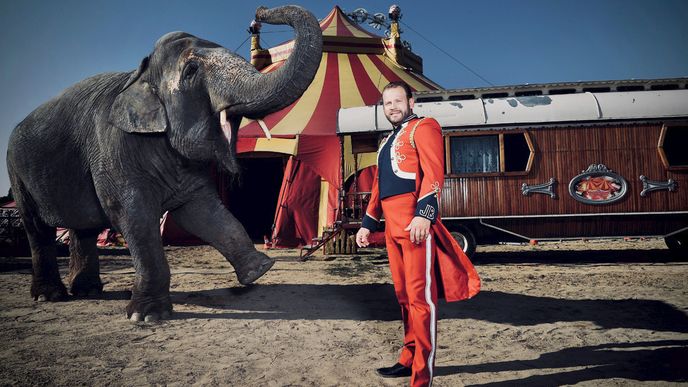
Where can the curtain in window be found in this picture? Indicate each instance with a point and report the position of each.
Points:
(474, 154)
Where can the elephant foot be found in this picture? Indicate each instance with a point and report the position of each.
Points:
(48, 291)
(82, 285)
(255, 265)
(149, 309)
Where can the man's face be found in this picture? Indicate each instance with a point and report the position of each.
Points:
(395, 105)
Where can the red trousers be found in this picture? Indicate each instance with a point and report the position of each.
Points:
(413, 273)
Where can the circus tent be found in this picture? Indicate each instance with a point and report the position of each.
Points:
(302, 142)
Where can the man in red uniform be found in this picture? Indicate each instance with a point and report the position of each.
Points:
(407, 190)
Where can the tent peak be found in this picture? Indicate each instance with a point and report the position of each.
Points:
(342, 34)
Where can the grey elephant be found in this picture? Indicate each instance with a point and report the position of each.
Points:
(121, 148)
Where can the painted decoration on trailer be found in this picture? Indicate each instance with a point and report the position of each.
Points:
(598, 185)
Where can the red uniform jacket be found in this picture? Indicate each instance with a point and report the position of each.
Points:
(411, 159)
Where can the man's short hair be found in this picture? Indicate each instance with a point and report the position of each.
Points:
(402, 84)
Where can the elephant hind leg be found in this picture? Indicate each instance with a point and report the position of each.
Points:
(46, 284)
(84, 267)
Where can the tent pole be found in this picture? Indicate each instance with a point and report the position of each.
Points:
(342, 172)
(355, 182)
(282, 195)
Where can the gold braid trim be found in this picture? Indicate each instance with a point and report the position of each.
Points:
(413, 131)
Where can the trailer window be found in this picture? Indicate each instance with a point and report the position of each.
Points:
(475, 154)
(516, 152)
(489, 153)
(673, 144)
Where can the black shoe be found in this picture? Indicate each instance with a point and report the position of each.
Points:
(395, 371)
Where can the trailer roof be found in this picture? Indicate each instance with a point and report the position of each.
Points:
(619, 100)
(552, 89)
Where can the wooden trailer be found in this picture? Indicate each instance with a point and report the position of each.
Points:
(552, 161)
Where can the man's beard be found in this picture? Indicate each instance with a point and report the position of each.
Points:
(404, 115)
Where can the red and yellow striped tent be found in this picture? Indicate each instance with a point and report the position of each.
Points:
(355, 66)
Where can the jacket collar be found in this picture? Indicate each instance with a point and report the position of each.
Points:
(405, 121)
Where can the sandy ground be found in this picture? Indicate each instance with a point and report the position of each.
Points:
(589, 313)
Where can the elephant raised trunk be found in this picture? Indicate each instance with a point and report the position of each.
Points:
(256, 95)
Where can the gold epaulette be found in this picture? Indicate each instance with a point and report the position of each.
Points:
(413, 131)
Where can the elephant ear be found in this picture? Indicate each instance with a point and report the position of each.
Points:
(137, 109)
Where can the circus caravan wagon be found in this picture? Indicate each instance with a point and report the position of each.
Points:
(556, 161)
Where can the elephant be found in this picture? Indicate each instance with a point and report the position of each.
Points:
(120, 149)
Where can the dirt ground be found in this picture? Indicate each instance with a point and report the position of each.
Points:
(592, 313)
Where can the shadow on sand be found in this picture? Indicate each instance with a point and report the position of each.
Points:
(377, 302)
(663, 360)
(592, 256)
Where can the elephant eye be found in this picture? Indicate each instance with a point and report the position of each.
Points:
(189, 70)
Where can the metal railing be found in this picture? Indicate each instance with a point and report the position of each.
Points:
(354, 206)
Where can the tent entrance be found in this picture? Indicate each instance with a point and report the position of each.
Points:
(253, 198)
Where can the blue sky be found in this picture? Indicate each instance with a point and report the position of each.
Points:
(47, 46)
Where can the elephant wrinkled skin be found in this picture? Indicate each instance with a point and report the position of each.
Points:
(120, 149)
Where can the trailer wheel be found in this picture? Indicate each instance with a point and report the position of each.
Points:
(465, 238)
(677, 243)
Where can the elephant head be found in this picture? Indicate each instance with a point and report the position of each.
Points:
(196, 91)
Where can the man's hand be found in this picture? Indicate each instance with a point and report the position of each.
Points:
(362, 237)
(419, 229)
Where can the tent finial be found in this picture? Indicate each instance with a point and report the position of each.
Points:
(397, 50)
(260, 57)
(394, 17)
(254, 30)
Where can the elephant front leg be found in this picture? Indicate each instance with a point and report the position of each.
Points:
(150, 299)
(208, 219)
(84, 267)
